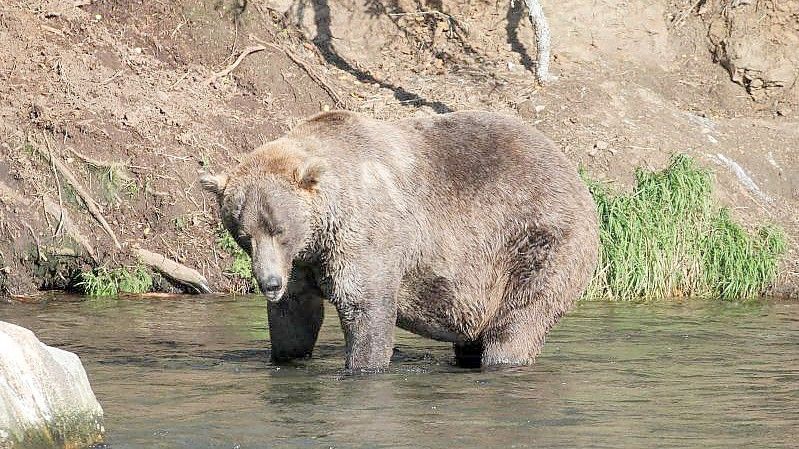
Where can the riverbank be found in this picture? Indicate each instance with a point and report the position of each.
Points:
(110, 109)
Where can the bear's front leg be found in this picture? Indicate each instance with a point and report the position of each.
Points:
(368, 323)
(295, 320)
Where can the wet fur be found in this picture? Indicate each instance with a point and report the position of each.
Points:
(467, 227)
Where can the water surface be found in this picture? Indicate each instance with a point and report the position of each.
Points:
(194, 372)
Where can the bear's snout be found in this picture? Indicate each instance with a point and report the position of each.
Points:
(271, 287)
(273, 284)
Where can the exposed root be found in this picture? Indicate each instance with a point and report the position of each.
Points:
(687, 12)
(173, 270)
(542, 41)
(226, 71)
(91, 205)
(39, 252)
(57, 210)
(60, 225)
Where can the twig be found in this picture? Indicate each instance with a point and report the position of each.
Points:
(39, 252)
(174, 270)
(112, 77)
(84, 195)
(62, 251)
(449, 18)
(542, 40)
(679, 20)
(226, 71)
(52, 30)
(182, 77)
(308, 70)
(56, 210)
(60, 226)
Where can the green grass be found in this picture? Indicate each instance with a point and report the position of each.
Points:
(669, 238)
(113, 180)
(241, 265)
(111, 282)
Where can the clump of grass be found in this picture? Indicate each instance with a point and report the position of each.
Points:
(668, 238)
(241, 265)
(113, 180)
(111, 282)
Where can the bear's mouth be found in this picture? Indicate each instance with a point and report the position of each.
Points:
(273, 296)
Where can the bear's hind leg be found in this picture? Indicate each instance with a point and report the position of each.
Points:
(517, 340)
(295, 320)
(547, 275)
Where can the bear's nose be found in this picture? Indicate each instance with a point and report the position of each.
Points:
(273, 284)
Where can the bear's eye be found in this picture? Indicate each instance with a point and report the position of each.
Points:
(272, 229)
(244, 241)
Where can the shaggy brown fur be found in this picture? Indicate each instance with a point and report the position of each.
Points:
(467, 227)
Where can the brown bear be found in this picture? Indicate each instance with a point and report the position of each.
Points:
(469, 227)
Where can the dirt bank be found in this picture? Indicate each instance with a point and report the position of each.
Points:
(126, 97)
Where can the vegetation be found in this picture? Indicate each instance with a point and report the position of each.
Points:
(113, 180)
(669, 238)
(241, 266)
(105, 282)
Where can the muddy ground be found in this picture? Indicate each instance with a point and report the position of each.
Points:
(125, 96)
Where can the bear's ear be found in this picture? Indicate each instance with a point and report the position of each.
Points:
(213, 183)
(308, 174)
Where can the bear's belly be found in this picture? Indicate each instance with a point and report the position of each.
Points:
(428, 328)
(433, 307)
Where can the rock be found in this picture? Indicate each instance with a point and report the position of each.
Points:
(783, 111)
(45, 397)
(528, 110)
(600, 145)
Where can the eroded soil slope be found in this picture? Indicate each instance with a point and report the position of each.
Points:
(128, 98)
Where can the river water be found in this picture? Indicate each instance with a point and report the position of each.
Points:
(194, 372)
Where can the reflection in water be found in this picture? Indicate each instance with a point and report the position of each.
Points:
(195, 373)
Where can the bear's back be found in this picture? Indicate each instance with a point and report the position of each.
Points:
(469, 160)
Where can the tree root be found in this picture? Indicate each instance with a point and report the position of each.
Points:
(39, 252)
(173, 270)
(226, 71)
(542, 40)
(57, 211)
(87, 199)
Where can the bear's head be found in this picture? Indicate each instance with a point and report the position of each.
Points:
(265, 203)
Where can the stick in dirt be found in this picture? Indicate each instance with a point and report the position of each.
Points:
(173, 270)
(87, 199)
(226, 71)
(542, 40)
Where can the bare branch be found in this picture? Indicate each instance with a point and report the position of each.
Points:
(173, 270)
(226, 71)
(91, 205)
(542, 38)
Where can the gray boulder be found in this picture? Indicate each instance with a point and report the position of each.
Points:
(45, 397)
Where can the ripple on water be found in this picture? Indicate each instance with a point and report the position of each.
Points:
(195, 373)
